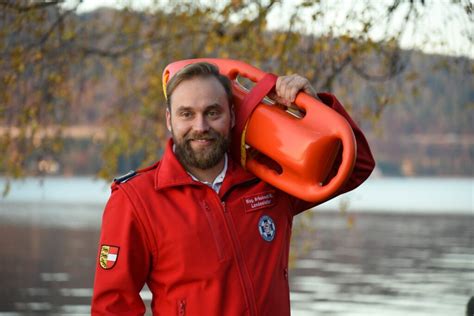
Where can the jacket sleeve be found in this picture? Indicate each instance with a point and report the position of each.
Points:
(118, 281)
(364, 164)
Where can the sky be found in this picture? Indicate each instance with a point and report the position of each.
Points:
(444, 28)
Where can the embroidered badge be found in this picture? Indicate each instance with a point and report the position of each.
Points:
(266, 227)
(258, 201)
(108, 256)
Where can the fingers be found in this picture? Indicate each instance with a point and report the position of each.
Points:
(287, 87)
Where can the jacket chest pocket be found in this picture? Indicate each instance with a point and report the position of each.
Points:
(193, 242)
(216, 230)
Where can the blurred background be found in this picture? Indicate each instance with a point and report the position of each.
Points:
(81, 102)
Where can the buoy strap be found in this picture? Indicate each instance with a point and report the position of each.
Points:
(250, 102)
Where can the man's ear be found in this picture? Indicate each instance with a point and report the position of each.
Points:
(168, 119)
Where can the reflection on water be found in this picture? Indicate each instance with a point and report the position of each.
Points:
(46, 270)
(386, 264)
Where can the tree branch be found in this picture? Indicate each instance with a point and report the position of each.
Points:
(25, 8)
(336, 69)
(50, 31)
(116, 53)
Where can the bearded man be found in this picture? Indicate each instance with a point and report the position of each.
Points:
(206, 236)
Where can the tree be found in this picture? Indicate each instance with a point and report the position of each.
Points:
(57, 64)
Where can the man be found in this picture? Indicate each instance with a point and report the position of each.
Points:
(189, 226)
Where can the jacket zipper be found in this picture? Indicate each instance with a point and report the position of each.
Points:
(214, 231)
(248, 288)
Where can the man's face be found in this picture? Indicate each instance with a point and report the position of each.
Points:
(200, 120)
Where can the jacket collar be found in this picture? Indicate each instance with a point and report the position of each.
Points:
(171, 173)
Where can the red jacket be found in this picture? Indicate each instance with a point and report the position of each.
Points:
(201, 253)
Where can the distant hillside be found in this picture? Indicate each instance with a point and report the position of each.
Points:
(430, 131)
(425, 127)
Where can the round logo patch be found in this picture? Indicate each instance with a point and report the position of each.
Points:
(266, 227)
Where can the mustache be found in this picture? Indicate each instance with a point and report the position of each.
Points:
(208, 135)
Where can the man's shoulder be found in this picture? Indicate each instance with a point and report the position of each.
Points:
(125, 177)
(140, 177)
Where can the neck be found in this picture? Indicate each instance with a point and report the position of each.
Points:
(206, 175)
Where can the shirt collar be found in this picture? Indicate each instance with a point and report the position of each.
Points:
(217, 183)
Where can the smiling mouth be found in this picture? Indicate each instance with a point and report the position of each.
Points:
(202, 141)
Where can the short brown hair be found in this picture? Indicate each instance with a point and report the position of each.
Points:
(199, 69)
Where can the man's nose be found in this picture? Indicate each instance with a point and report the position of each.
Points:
(201, 124)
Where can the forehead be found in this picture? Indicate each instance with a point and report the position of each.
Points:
(198, 92)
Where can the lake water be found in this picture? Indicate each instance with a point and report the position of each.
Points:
(400, 247)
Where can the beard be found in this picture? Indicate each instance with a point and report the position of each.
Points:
(205, 158)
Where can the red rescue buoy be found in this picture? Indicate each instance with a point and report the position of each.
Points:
(292, 150)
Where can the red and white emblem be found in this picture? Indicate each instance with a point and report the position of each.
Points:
(108, 256)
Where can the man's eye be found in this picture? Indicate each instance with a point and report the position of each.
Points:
(213, 113)
(186, 114)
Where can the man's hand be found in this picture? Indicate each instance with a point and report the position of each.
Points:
(287, 87)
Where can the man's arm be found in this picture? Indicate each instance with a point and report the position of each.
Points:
(123, 260)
